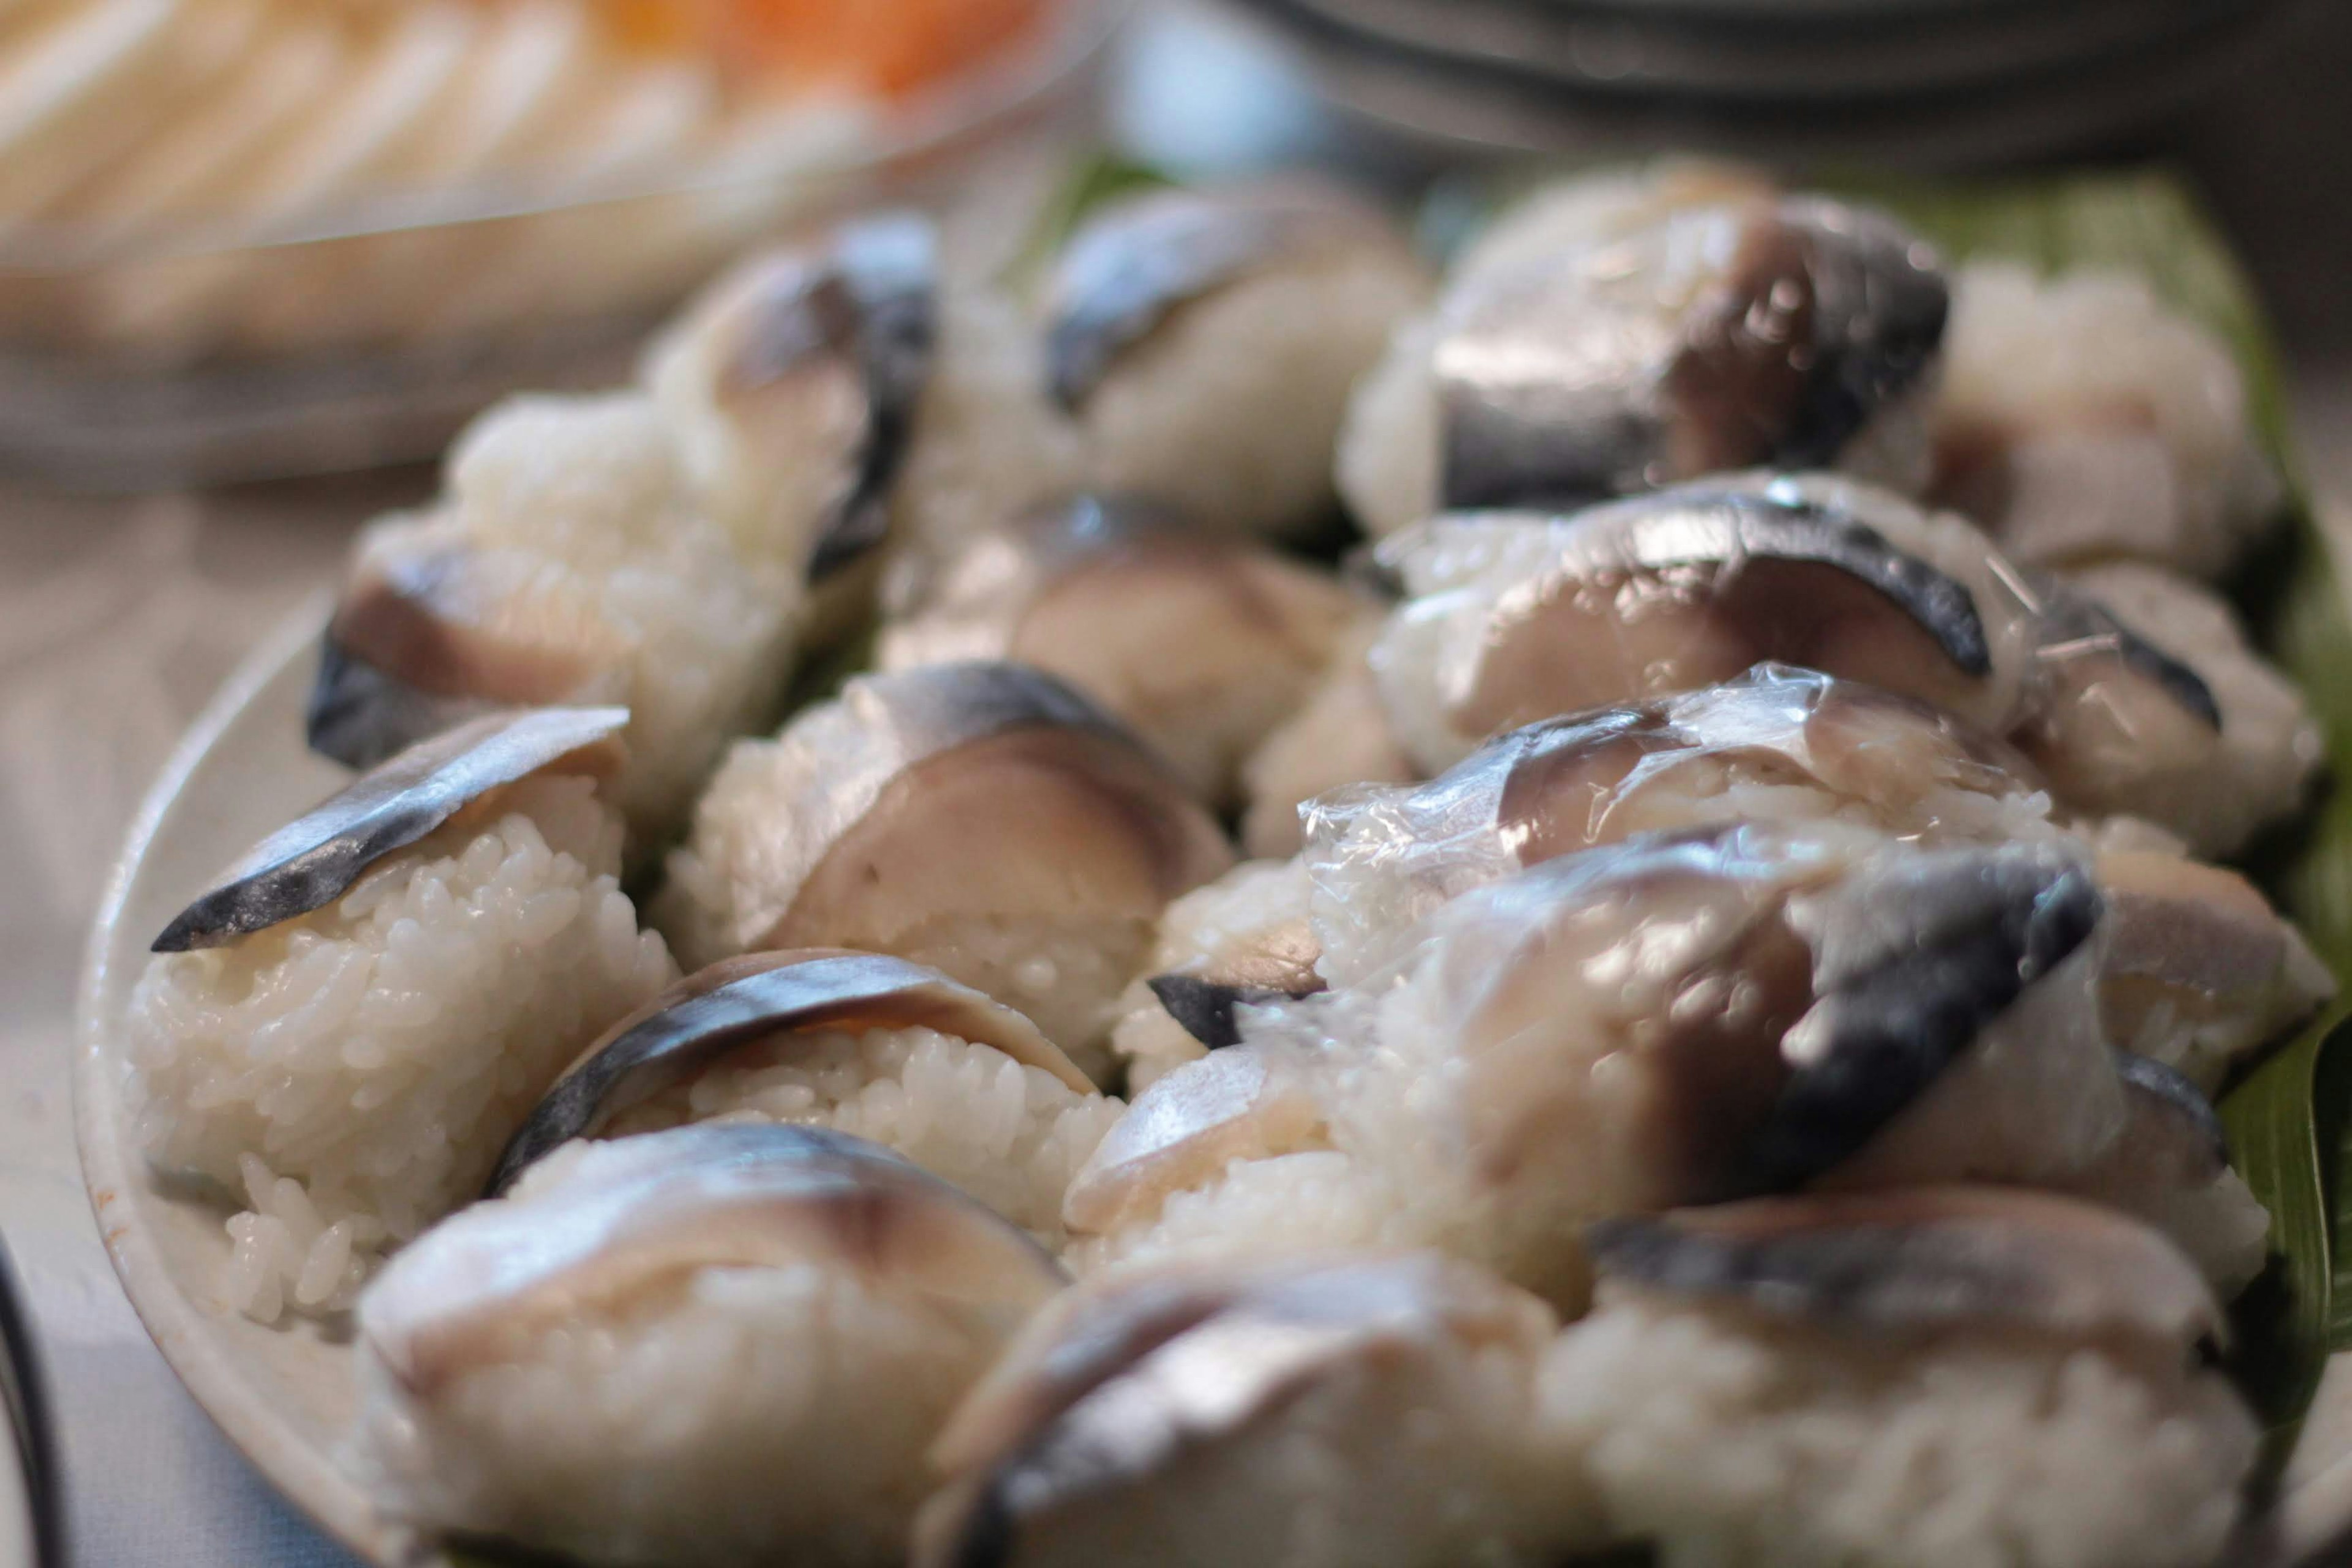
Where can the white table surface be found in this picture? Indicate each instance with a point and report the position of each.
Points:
(116, 619)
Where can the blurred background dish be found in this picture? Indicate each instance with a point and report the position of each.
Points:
(29, 1526)
(1930, 83)
(252, 238)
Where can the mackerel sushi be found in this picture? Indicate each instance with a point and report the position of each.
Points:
(862, 1044)
(981, 818)
(568, 561)
(716, 1345)
(1941, 1378)
(1335, 1412)
(1205, 341)
(1599, 357)
(339, 1035)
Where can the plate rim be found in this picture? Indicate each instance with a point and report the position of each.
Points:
(305, 1475)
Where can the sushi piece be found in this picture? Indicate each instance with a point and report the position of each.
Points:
(836, 398)
(2171, 1168)
(2202, 973)
(1245, 938)
(1774, 743)
(1565, 218)
(343, 1031)
(1792, 332)
(2080, 420)
(2199, 972)
(1681, 1018)
(1205, 341)
(568, 562)
(724, 1344)
(791, 387)
(865, 1045)
(2153, 705)
(1200, 642)
(1369, 1413)
(1513, 616)
(981, 818)
(1941, 1378)
(1339, 734)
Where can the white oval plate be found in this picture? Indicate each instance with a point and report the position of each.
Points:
(282, 1395)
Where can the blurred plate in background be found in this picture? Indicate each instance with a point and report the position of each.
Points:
(1920, 83)
(366, 331)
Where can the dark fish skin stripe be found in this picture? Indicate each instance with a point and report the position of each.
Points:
(1895, 1028)
(359, 715)
(2071, 624)
(1205, 1007)
(879, 302)
(1789, 528)
(1834, 1274)
(695, 1031)
(314, 860)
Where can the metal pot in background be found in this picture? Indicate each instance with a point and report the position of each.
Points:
(32, 1531)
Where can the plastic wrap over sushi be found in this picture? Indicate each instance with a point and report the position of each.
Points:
(341, 1033)
(1681, 1018)
(1205, 341)
(1513, 616)
(1569, 360)
(981, 818)
(2080, 420)
(2201, 971)
(1201, 642)
(569, 560)
(1328, 1413)
(1938, 1378)
(863, 1044)
(1339, 734)
(723, 1345)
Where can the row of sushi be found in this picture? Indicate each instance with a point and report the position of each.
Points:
(856, 417)
(770, 1268)
(1669, 810)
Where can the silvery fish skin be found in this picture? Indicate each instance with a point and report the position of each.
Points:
(314, 860)
(1920, 1260)
(747, 1000)
(641, 1211)
(1517, 617)
(2168, 1109)
(1135, 262)
(1112, 1387)
(2080, 642)
(887, 727)
(856, 327)
(1787, 991)
(1719, 337)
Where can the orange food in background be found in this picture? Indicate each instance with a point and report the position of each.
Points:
(879, 46)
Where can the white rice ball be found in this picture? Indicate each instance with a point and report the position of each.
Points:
(354, 1072)
(1230, 409)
